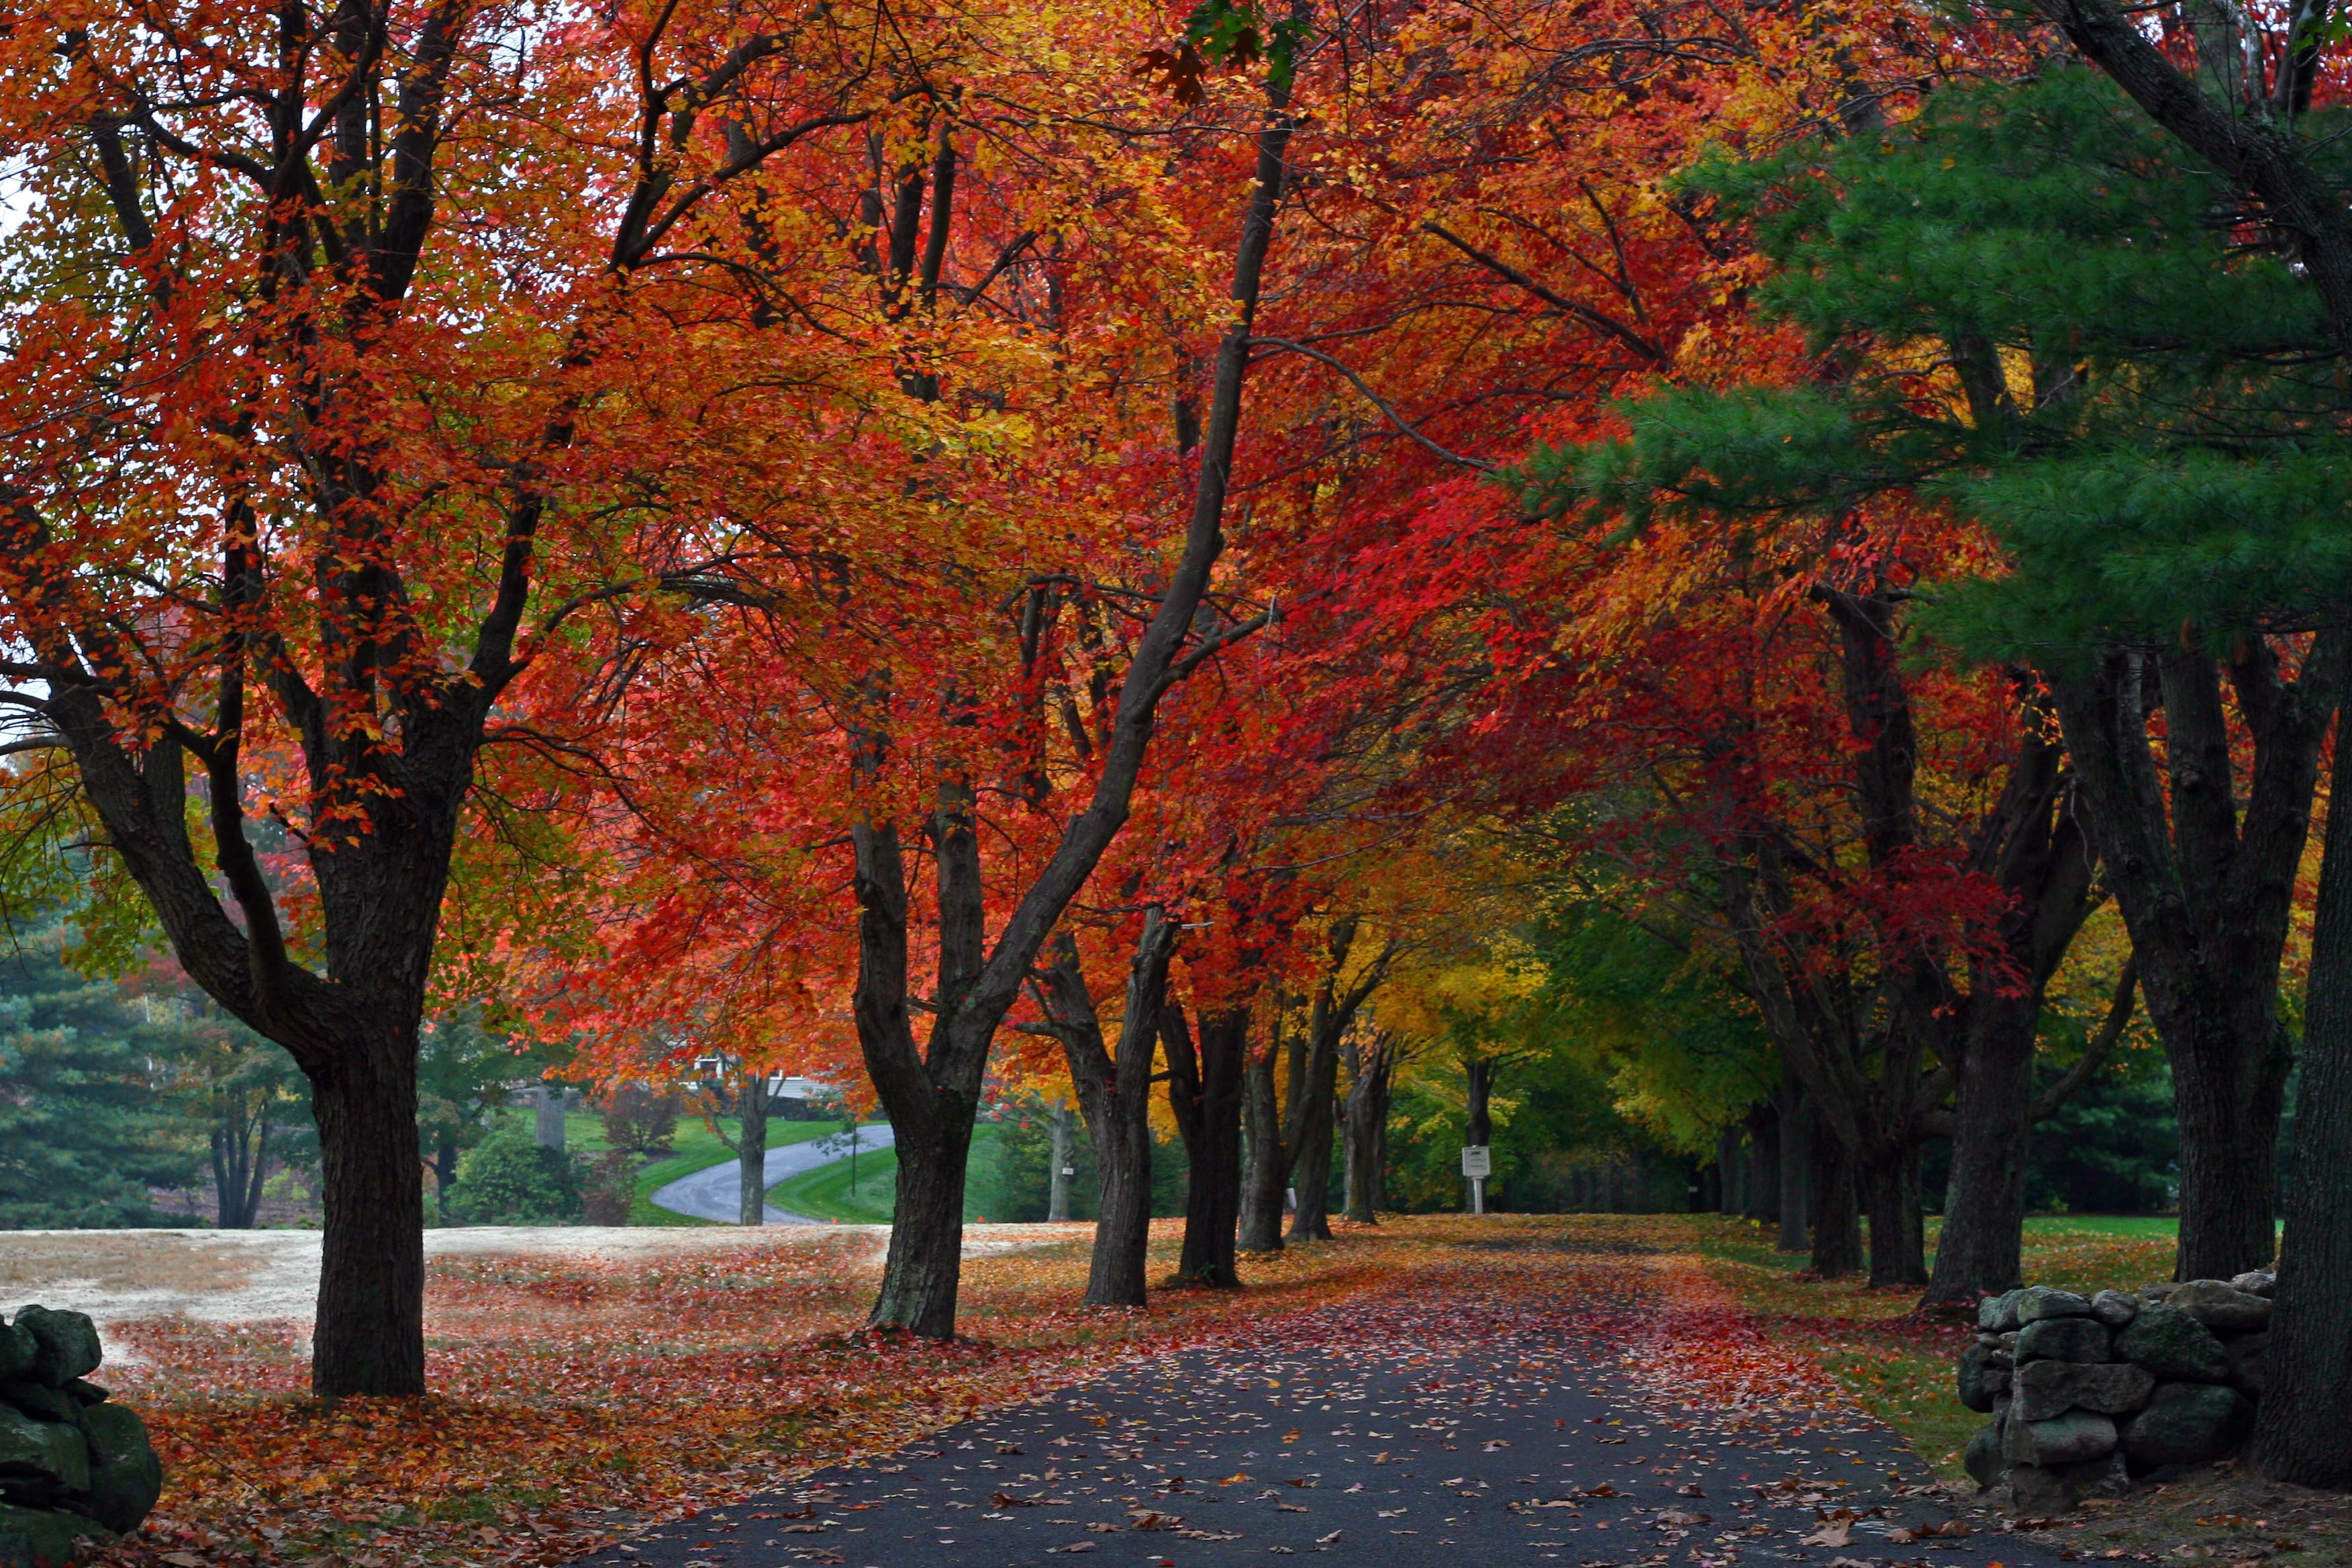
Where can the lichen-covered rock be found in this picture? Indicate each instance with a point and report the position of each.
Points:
(2255, 1282)
(1998, 1315)
(2113, 1308)
(18, 1352)
(2067, 1439)
(2048, 1388)
(2173, 1345)
(1980, 1382)
(2037, 1302)
(66, 1344)
(42, 1538)
(2188, 1424)
(1982, 1457)
(125, 1476)
(2063, 1339)
(2220, 1307)
(40, 1461)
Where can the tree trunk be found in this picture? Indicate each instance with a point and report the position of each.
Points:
(1796, 1170)
(931, 1091)
(2300, 1432)
(1117, 1096)
(370, 1333)
(751, 1149)
(1205, 1091)
(1763, 1164)
(1899, 1240)
(445, 1171)
(1312, 1169)
(1364, 1120)
(2203, 868)
(1980, 1251)
(1058, 1179)
(547, 1122)
(1836, 1216)
(923, 1269)
(1731, 1173)
(1267, 1172)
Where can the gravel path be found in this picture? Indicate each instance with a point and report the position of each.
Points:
(717, 1192)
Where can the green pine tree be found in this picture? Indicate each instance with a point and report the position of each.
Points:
(84, 1132)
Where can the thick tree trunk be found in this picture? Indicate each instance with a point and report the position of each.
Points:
(2300, 1431)
(1899, 1240)
(1058, 1179)
(1836, 1216)
(2203, 863)
(1980, 1250)
(1267, 1172)
(923, 1269)
(1205, 1090)
(1796, 1141)
(370, 1333)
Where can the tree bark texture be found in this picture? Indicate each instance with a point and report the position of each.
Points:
(1365, 1120)
(1265, 1172)
(371, 1325)
(2203, 867)
(2300, 1431)
(1204, 1087)
(750, 1147)
(1116, 1094)
(1836, 1216)
(1764, 1164)
(1898, 1235)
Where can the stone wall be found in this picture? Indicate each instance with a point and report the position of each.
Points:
(74, 1466)
(2089, 1394)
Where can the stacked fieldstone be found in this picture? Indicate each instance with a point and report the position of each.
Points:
(2088, 1393)
(73, 1466)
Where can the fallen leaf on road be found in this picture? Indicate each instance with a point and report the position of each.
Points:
(1326, 1540)
(1006, 1500)
(1836, 1532)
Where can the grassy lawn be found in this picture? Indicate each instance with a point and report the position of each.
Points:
(693, 1148)
(824, 1193)
(1897, 1363)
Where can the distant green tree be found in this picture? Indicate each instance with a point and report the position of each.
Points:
(463, 1072)
(84, 1132)
(509, 1179)
(240, 1097)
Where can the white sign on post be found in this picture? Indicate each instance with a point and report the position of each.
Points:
(1477, 1162)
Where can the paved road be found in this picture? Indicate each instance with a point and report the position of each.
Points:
(717, 1192)
(1366, 1436)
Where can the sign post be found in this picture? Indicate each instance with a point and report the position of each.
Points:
(1477, 1164)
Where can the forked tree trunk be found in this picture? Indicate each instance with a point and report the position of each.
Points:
(1204, 1087)
(931, 1089)
(2300, 1431)
(370, 1333)
(1117, 1096)
(2203, 867)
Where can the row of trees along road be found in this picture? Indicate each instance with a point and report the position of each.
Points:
(811, 537)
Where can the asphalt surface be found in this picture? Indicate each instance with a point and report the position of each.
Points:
(1376, 1452)
(716, 1192)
